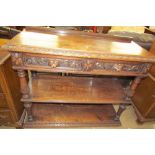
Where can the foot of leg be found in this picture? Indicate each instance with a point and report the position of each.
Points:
(28, 107)
(122, 107)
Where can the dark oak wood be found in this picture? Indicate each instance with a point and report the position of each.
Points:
(3, 102)
(69, 89)
(48, 63)
(5, 117)
(68, 115)
(71, 32)
(25, 92)
(152, 50)
(144, 103)
(63, 44)
(10, 106)
(28, 108)
(134, 84)
(144, 100)
(4, 55)
(74, 53)
(24, 84)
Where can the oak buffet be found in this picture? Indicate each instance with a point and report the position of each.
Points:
(77, 77)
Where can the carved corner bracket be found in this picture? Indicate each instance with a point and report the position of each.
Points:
(17, 59)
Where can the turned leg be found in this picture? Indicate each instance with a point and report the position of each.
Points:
(130, 90)
(121, 108)
(25, 93)
(135, 83)
(24, 88)
(28, 107)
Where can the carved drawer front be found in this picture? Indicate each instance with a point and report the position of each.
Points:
(77, 64)
(5, 118)
(3, 102)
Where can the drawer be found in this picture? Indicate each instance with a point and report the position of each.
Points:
(78, 65)
(5, 117)
(3, 102)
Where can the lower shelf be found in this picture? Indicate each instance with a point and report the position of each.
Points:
(69, 115)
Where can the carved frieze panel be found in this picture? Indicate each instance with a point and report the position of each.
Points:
(78, 64)
(139, 68)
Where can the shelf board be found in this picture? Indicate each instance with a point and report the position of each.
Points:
(69, 89)
(71, 115)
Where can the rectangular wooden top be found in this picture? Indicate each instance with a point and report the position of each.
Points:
(77, 45)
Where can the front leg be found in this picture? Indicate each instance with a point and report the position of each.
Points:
(28, 107)
(24, 88)
(121, 108)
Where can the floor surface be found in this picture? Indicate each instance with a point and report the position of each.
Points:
(128, 120)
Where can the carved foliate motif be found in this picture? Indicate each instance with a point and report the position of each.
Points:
(35, 61)
(54, 63)
(140, 68)
(17, 59)
(88, 65)
(78, 64)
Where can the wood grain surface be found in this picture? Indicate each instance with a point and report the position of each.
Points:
(50, 88)
(4, 55)
(68, 115)
(77, 46)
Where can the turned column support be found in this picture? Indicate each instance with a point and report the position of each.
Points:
(135, 83)
(24, 88)
(130, 90)
(28, 107)
(121, 108)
